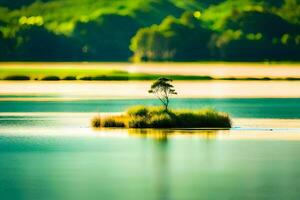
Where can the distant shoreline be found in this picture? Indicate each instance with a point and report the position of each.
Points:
(149, 71)
(144, 77)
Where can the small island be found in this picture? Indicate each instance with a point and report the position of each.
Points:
(163, 116)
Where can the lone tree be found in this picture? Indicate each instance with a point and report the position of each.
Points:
(163, 89)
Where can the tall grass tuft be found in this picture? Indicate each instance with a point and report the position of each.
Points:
(113, 122)
(138, 122)
(96, 121)
(138, 111)
(164, 120)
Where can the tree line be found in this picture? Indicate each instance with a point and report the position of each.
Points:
(256, 34)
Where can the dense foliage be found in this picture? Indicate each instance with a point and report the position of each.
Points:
(149, 30)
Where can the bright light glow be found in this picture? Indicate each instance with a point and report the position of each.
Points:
(33, 20)
(197, 14)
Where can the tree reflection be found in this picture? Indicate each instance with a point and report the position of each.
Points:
(161, 149)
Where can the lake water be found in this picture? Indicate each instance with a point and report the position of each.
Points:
(49, 151)
(288, 108)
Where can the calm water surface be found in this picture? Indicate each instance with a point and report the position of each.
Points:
(242, 108)
(48, 151)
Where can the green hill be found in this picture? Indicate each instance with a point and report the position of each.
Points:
(65, 30)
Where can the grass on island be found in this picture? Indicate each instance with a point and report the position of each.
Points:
(158, 117)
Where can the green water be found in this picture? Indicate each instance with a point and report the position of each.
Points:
(143, 168)
(56, 155)
(245, 108)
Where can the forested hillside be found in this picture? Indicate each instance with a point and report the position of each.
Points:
(149, 30)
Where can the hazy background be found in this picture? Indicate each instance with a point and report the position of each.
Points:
(149, 30)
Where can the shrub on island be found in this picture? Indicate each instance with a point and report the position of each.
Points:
(158, 117)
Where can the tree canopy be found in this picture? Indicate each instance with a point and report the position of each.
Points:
(163, 89)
